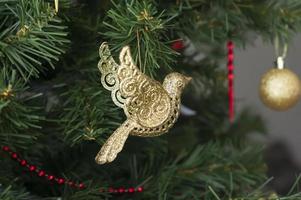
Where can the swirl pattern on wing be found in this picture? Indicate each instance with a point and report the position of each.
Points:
(109, 78)
(146, 100)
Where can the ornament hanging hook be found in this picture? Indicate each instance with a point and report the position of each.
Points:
(280, 56)
(280, 62)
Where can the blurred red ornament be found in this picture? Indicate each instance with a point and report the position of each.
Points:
(178, 45)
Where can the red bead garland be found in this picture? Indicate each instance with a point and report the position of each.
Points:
(230, 64)
(61, 181)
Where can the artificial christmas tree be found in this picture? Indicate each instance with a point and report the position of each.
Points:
(54, 112)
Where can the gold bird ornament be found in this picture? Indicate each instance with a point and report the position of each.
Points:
(151, 108)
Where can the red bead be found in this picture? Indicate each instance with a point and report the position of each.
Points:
(140, 189)
(5, 148)
(32, 168)
(121, 190)
(14, 155)
(23, 162)
(231, 67)
(81, 186)
(50, 177)
(41, 173)
(231, 76)
(131, 190)
(111, 190)
(230, 45)
(61, 181)
(231, 57)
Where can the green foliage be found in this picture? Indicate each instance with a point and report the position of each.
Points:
(89, 113)
(188, 175)
(257, 195)
(91, 193)
(217, 21)
(9, 194)
(31, 36)
(141, 26)
(282, 18)
(19, 120)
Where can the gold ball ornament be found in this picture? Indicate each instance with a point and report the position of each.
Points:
(280, 89)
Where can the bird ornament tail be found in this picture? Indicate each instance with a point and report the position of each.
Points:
(115, 143)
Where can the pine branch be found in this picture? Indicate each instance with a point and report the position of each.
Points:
(89, 113)
(141, 26)
(257, 195)
(220, 20)
(91, 193)
(31, 36)
(190, 173)
(9, 194)
(19, 120)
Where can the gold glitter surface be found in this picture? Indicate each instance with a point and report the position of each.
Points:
(151, 107)
(280, 89)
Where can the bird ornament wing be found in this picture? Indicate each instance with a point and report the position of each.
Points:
(109, 79)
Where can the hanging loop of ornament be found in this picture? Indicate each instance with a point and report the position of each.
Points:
(280, 62)
(280, 55)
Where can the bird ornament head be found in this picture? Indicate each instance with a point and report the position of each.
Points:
(176, 82)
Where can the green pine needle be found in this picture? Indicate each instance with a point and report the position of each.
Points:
(140, 25)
